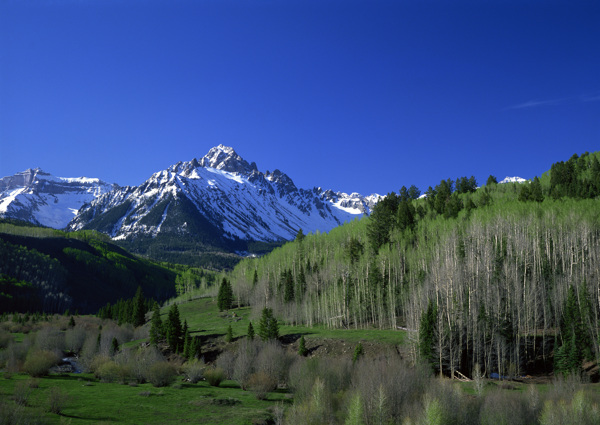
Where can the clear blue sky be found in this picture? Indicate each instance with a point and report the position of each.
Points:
(360, 96)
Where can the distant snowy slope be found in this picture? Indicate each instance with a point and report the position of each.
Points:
(225, 192)
(41, 198)
(513, 180)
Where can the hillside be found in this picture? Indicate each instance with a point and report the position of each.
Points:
(48, 270)
(504, 276)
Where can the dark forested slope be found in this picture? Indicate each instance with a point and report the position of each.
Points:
(48, 270)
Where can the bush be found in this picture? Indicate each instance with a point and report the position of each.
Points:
(38, 363)
(581, 410)
(261, 383)
(75, 338)
(96, 363)
(21, 393)
(194, 370)
(226, 362)
(57, 400)
(162, 374)
(13, 414)
(214, 376)
(51, 339)
(5, 338)
(109, 371)
(138, 361)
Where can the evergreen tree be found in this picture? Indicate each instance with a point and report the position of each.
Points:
(174, 331)
(491, 180)
(302, 347)
(427, 333)
(255, 278)
(229, 334)
(114, 346)
(268, 328)
(156, 326)
(288, 286)
(358, 352)
(225, 296)
(72, 322)
(250, 331)
(535, 190)
(139, 308)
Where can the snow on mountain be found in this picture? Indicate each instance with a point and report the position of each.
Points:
(226, 192)
(41, 198)
(513, 180)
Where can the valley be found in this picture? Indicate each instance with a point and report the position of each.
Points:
(483, 297)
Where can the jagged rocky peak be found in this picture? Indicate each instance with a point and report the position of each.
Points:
(225, 158)
(282, 180)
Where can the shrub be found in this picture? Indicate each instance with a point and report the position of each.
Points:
(214, 376)
(109, 371)
(226, 362)
(261, 383)
(194, 370)
(505, 408)
(49, 338)
(13, 414)
(21, 393)
(138, 361)
(57, 400)
(38, 363)
(75, 338)
(5, 338)
(96, 363)
(162, 374)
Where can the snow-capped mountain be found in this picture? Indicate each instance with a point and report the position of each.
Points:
(220, 196)
(513, 180)
(40, 198)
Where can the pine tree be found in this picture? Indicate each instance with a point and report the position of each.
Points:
(255, 278)
(250, 331)
(114, 346)
(302, 347)
(139, 308)
(174, 329)
(72, 322)
(156, 326)
(229, 334)
(225, 296)
(358, 352)
(427, 332)
(196, 348)
(288, 286)
(268, 328)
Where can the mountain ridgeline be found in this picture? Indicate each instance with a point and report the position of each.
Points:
(205, 212)
(504, 276)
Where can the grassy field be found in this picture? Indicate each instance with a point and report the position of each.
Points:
(204, 318)
(93, 402)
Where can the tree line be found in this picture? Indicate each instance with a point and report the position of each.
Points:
(478, 276)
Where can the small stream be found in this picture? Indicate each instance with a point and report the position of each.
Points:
(70, 365)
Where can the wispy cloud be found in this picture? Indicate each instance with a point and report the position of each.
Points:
(589, 97)
(594, 97)
(537, 103)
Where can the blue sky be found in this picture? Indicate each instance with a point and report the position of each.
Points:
(362, 96)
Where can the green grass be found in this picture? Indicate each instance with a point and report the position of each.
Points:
(93, 402)
(204, 318)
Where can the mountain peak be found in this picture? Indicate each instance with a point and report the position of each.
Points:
(225, 158)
